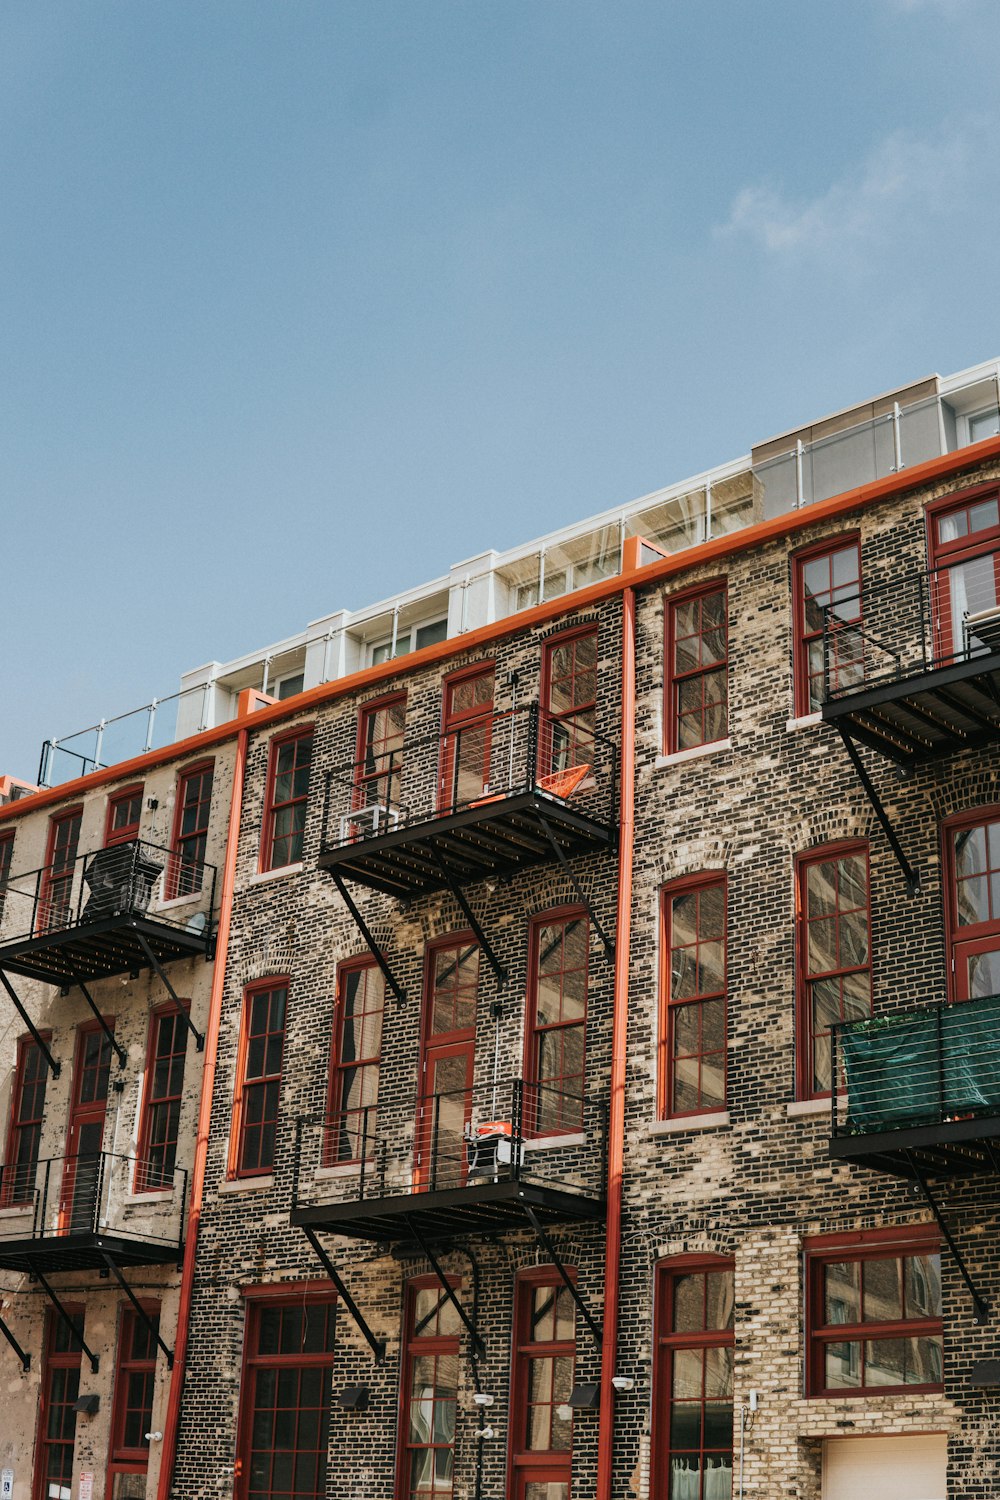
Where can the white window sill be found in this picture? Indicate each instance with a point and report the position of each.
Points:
(343, 1169)
(264, 877)
(805, 722)
(696, 751)
(247, 1184)
(685, 1123)
(178, 901)
(553, 1142)
(16, 1211)
(804, 1107)
(155, 1195)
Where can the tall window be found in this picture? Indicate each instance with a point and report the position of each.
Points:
(285, 1398)
(965, 555)
(124, 812)
(194, 804)
(557, 1023)
(356, 1057)
(569, 700)
(544, 1354)
(972, 847)
(430, 1394)
(835, 982)
(262, 1049)
(828, 575)
(132, 1410)
(693, 1379)
(379, 769)
(697, 669)
(161, 1107)
(874, 1313)
(693, 1015)
(56, 895)
(287, 796)
(56, 1416)
(24, 1137)
(6, 855)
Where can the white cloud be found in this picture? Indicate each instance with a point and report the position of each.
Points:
(902, 180)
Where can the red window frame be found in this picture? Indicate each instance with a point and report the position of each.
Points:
(814, 1041)
(681, 1041)
(553, 1464)
(865, 1248)
(466, 735)
(968, 940)
(378, 767)
(943, 555)
(695, 677)
(121, 823)
(166, 1054)
(60, 1388)
(55, 898)
(258, 1093)
(135, 1379)
(24, 1131)
(552, 1108)
(302, 1313)
(436, 1345)
(673, 1351)
(189, 841)
(287, 799)
(566, 734)
(351, 1128)
(6, 856)
(846, 648)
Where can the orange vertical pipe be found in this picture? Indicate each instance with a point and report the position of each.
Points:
(619, 1052)
(168, 1452)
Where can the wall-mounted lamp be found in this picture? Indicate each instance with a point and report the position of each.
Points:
(483, 1398)
(985, 1373)
(154, 1437)
(485, 1433)
(585, 1397)
(151, 804)
(87, 1404)
(622, 1382)
(353, 1397)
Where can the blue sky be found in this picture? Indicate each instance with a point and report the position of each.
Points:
(303, 302)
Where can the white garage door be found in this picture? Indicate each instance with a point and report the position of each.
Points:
(897, 1468)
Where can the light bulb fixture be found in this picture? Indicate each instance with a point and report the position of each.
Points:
(483, 1398)
(622, 1382)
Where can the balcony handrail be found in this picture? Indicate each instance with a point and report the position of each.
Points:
(82, 1192)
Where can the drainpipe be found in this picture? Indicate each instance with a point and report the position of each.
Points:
(619, 1051)
(168, 1452)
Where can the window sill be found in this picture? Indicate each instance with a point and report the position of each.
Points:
(806, 721)
(343, 1169)
(804, 1107)
(175, 901)
(16, 1211)
(553, 1142)
(247, 1184)
(264, 877)
(678, 757)
(682, 1123)
(155, 1195)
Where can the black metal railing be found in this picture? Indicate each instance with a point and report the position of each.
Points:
(93, 1192)
(928, 1066)
(458, 1138)
(915, 623)
(123, 880)
(475, 764)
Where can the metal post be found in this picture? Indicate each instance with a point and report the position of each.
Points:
(897, 443)
(434, 1140)
(99, 744)
(151, 720)
(364, 1150)
(531, 770)
(376, 1345)
(799, 495)
(267, 673)
(395, 632)
(206, 690)
(708, 510)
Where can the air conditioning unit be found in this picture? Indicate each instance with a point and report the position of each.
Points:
(367, 822)
(982, 629)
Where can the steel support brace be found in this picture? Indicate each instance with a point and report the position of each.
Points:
(609, 943)
(119, 1050)
(12, 1341)
(158, 970)
(980, 1310)
(67, 1321)
(498, 968)
(376, 1345)
(567, 1280)
(909, 873)
(151, 1324)
(36, 1036)
(373, 947)
(448, 1289)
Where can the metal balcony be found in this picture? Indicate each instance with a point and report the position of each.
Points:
(501, 793)
(102, 914)
(922, 1091)
(77, 1213)
(471, 1161)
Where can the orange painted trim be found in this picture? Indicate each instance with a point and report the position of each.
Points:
(619, 1055)
(372, 677)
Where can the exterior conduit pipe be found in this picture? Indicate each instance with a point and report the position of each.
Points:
(168, 1452)
(619, 1053)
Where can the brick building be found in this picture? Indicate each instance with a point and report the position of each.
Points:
(599, 1088)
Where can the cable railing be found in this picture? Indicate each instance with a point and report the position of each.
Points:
(453, 1139)
(130, 879)
(93, 1192)
(153, 726)
(473, 765)
(932, 1065)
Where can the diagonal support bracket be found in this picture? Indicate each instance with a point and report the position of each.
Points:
(980, 1310)
(371, 944)
(12, 1341)
(564, 1276)
(119, 1050)
(179, 1006)
(498, 968)
(36, 1035)
(448, 1289)
(560, 854)
(376, 1345)
(151, 1324)
(67, 1321)
(909, 873)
